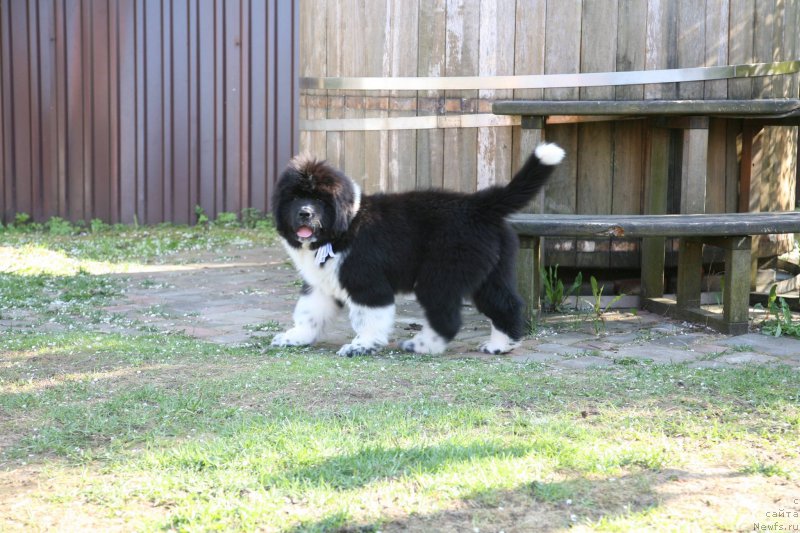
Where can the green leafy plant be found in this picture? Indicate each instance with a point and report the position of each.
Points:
(250, 217)
(782, 323)
(227, 220)
(21, 219)
(200, 213)
(599, 321)
(59, 226)
(98, 226)
(555, 296)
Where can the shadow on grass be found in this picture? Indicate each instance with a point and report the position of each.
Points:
(533, 506)
(615, 503)
(346, 472)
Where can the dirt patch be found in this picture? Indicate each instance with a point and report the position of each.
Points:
(25, 505)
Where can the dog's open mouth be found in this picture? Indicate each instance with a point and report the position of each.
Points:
(304, 232)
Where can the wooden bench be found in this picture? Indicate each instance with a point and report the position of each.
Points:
(732, 232)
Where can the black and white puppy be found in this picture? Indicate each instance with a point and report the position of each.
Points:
(360, 251)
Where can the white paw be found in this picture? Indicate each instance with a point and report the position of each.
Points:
(358, 347)
(425, 342)
(293, 337)
(498, 343)
(496, 348)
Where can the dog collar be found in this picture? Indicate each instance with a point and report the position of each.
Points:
(323, 253)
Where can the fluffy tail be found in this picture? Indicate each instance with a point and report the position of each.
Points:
(524, 185)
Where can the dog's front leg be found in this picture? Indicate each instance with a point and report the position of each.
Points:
(313, 310)
(372, 326)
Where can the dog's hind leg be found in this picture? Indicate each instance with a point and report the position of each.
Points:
(443, 320)
(498, 299)
(314, 309)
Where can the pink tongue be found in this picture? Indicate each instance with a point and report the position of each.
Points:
(304, 232)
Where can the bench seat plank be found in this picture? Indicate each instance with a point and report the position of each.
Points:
(701, 225)
(765, 108)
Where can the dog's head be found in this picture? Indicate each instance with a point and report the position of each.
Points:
(313, 202)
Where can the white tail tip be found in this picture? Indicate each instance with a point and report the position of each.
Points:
(549, 153)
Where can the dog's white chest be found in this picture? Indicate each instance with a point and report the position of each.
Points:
(324, 277)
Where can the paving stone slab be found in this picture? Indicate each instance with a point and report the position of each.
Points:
(559, 349)
(581, 363)
(778, 346)
(710, 364)
(657, 354)
(681, 341)
(570, 337)
(625, 338)
(705, 349)
(536, 357)
(747, 358)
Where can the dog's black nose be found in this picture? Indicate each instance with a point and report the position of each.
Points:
(305, 212)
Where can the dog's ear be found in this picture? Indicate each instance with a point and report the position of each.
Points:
(348, 202)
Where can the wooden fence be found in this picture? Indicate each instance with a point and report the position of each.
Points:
(130, 110)
(606, 163)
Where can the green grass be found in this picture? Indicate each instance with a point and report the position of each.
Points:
(236, 439)
(160, 431)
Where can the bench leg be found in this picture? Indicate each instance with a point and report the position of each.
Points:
(653, 267)
(690, 273)
(529, 280)
(656, 187)
(736, 294)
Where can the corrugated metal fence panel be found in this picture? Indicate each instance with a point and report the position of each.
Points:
(141, 109)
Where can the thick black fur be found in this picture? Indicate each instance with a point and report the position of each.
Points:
(442, 246)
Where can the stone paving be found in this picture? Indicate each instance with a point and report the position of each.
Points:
(251, 293)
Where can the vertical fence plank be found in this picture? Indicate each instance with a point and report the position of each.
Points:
(629, 136)
(529, 34)
(74, 112)
(764, 27)
(562, 49)
(35, 116)
(274, 162)
(21, 112)
(154, 112)
(661, 45)
(691, 32)
(333, 36)
(313, 36)
(595, 172)
(496, 55)
(87, 67)
(403, 36)
(257, 36)
(181, 103)
(101, 120)
(48, 96)
(631, 43)
(127, 112)
(220, 87)
(113, 95)
(165, 95)
(740, 45)
(431, 41)
(6, 171)
(461, 59)
(716, 52)
(206, 105)
(231, 105)
(377, 61)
